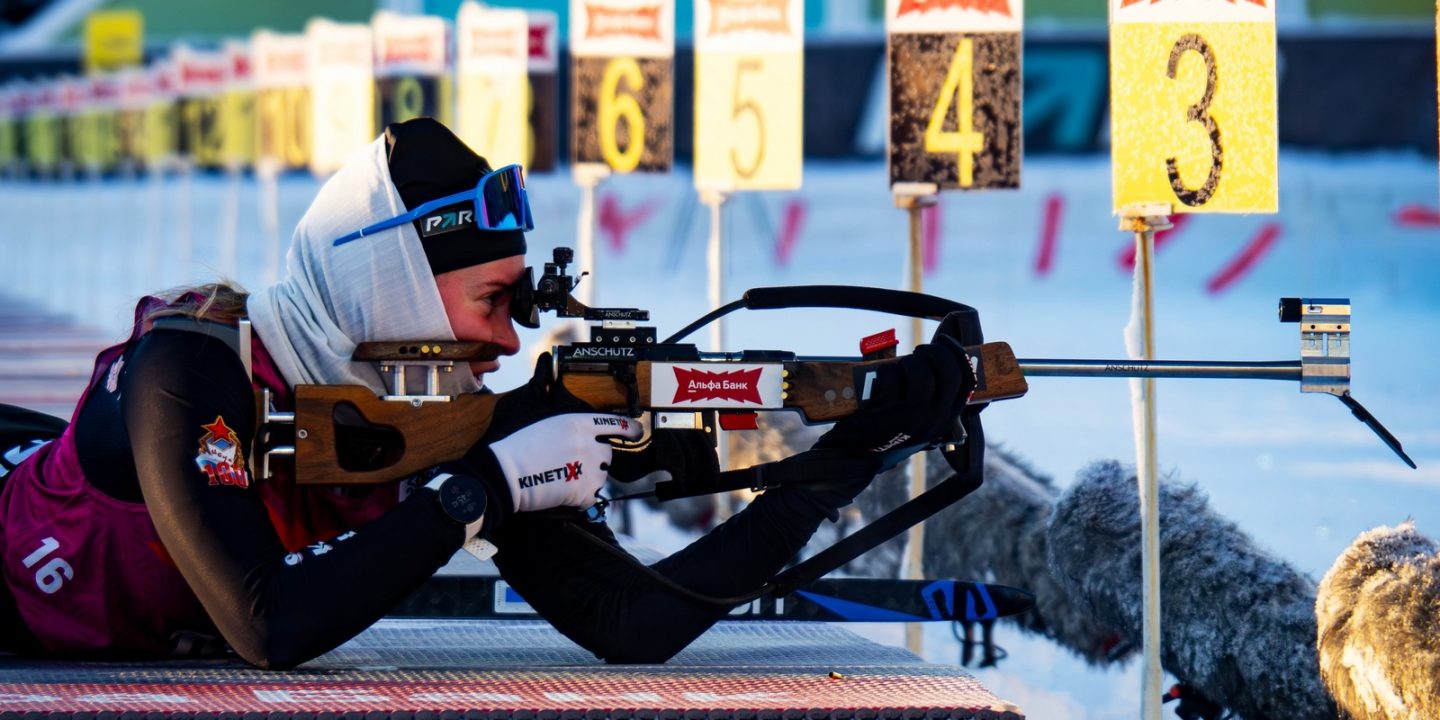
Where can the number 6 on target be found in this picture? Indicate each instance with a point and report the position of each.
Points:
(1193, 104)
(621, 83)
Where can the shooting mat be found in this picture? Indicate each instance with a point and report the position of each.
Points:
(487, 670)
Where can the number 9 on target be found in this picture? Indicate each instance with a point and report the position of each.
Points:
(1193, 105)
(955, 89)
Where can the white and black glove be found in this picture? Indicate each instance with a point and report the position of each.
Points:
(559, 461)
(539, 428)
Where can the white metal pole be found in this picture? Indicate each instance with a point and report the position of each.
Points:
(185, 252)
(230, 226)
(715, 264)
(588, 176)
(715, 261)
(913, 198)
(267, 174)
(1144, 221)
(149, 272)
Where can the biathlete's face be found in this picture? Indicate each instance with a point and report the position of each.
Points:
(477, 302)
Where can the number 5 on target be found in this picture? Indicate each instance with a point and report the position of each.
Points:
(1192, 101)
(749, 94)
(955, 92)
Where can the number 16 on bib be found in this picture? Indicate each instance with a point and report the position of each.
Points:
(1192, 104)
(955, 92)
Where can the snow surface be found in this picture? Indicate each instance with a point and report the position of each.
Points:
(1294, 470)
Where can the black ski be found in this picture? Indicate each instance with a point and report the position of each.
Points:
(832, 600)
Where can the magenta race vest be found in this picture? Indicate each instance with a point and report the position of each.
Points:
(89, 573)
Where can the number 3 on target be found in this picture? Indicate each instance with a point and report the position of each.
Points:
(959, 90)
(1193, 97)
(1199, 112)
(615, 106)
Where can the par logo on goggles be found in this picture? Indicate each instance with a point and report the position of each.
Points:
(447, 222)
(699, 385)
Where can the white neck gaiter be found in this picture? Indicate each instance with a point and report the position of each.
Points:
(376, 288)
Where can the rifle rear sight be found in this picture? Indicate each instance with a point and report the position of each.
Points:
(554, 291)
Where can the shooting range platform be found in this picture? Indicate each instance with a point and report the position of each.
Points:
(410, 669)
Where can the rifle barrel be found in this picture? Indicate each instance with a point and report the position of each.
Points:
(1277, 370)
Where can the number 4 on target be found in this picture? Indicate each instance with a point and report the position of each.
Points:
(955, 92)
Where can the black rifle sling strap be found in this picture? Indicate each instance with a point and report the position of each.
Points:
(890, 525)
(887, 526)
(958, 320)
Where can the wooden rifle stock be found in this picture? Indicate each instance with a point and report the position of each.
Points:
(420, 435)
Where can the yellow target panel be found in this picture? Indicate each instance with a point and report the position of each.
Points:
(42, 143)
(97, 140)
(1193, 116)
(748, 120)
(493, 89)
(9, 143)
(238, 132)
(342, 92)
(493, 116)
(161, 133)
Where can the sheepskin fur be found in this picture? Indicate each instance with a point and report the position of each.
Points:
(997, 534)
(1238, 624)
(1378, 611)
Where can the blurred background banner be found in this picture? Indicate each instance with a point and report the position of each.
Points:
(1329, 55)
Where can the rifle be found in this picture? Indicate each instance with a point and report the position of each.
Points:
(623, 369)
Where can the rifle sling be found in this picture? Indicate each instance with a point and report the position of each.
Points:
(890, 525)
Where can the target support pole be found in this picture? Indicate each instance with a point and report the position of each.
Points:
(267, 176)
(1144, 221)
(913, 198)
(715, 199)
(588, 176)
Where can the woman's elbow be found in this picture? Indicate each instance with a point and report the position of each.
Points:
(271, 648)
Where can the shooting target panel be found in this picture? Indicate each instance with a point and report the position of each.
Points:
(282, 101)
(237, 109)
(955, 109)
(1193, 106)
(621, 109)
(283, 126)
(200, 79)
(97, 135)
(622, 83)
(544, 121)
(408, 97)
(411, 68)
(749, 94)
(544, 96)
(201, 138)
(161, 132)
(9, 135)
(342, 92)
(493, 94)
(37, 130)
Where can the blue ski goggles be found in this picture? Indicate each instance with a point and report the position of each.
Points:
(498, 202)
